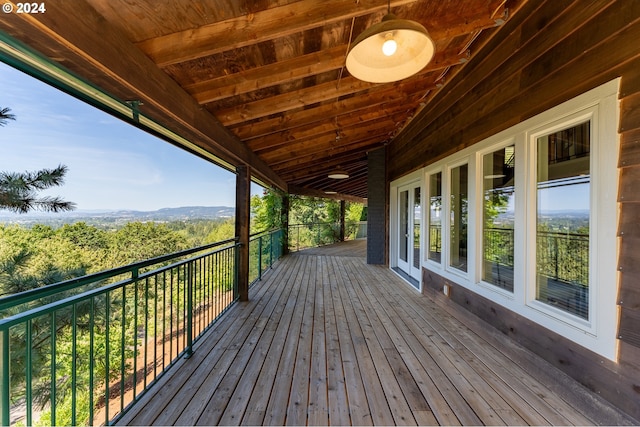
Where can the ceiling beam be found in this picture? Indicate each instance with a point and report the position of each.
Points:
(291, 120)
(289, 70)
(328, 142)
(108, 60)
(303, 191)
(269, 75)
(340, 124)
(256, 27)
(309, 96)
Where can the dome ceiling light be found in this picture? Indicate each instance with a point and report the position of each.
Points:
(338, 174)
(391, 50)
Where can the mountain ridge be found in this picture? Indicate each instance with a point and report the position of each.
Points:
(123, 215)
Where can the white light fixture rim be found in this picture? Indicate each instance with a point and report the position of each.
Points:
(338, 174)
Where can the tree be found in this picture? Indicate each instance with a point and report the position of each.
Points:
(5, 116)
(18, 191)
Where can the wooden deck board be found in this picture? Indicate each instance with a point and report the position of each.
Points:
(329, 340)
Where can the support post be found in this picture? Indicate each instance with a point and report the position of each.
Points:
(378, 205)
(243, 211)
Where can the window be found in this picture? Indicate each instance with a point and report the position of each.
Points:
(498, 217)
(404, 225)
(528, 219)
(435, 220)
(563, 218)
(459, 219)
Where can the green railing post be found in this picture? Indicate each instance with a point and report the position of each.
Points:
(189, 331)
(271, 249)
(236, 271)
(5, 406)
(260, 258)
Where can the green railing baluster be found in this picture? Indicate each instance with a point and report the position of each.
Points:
(29, 372)
(122, 346)
(92, 308)
(164, 317)
(107, 355)
(5, 383)
(146, 332)
(74, 363)
(53, 368)
(136, 307)
(260, 258)
(155, 328)
(189, 330)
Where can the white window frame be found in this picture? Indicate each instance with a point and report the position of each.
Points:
(600, 105)
(427, 217)
(517, 233)
(446, 220)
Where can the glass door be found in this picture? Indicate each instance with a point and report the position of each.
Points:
(409, 230)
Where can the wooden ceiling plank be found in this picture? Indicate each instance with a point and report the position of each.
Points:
(291, 100)
(294, 119)
(255, 28)
(312, 95)
(328, 141)
(268, 75)
(326, 155)
(294, 69)
(119, 63)
(340, 124)
(304, 191)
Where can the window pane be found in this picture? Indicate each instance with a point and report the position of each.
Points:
(417, 215)
(435, 221)
(404, 225)
(563, 201)
(459, 218)
(498, 217)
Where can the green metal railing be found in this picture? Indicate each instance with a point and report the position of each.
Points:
(302, 236)
(265, 248)
(83, 351)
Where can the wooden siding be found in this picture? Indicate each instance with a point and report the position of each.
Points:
(330, 340)
(551, 51)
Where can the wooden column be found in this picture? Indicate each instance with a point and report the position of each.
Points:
(243, 210)
(342, 209)
(285, 224)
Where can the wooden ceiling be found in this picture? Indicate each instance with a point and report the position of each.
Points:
(272, 71)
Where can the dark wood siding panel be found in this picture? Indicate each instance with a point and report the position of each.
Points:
(629, 331)
(499, 92)
(616, 382)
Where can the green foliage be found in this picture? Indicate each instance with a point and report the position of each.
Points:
(224, 231)
(19, 190)
(138, 241)
(266, 211)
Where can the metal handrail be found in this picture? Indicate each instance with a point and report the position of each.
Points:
(45, 291)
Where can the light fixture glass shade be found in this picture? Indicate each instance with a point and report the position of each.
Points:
(339, 174)
(367, 61)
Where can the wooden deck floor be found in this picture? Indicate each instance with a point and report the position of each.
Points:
(329, 340)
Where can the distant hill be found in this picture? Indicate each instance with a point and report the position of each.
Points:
(120, 216)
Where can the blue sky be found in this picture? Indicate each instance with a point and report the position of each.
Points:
(112, 165)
